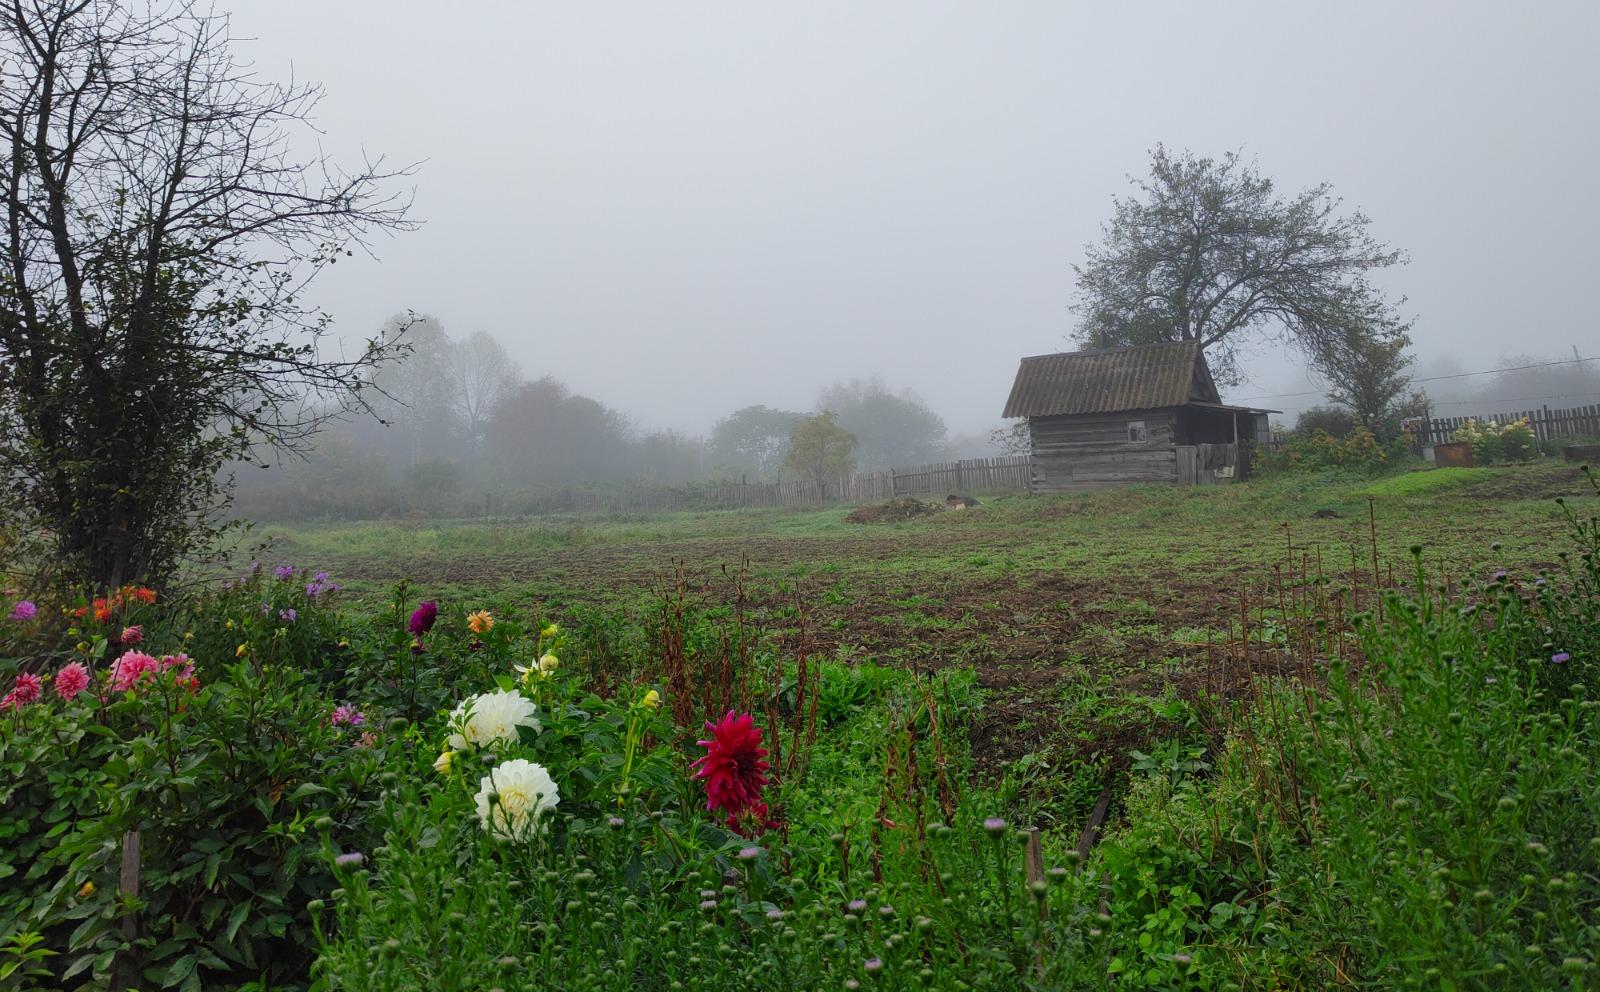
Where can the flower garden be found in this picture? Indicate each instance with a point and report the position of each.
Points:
(271, 785)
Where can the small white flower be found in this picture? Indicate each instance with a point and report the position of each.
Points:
(522, 793)
(544, 668)
(491, 718)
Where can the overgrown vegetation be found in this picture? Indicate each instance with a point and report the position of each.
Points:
(1375, 781)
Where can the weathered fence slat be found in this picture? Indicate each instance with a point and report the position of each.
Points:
(1571, 423)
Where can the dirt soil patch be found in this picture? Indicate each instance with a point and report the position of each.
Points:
(1542, 485)
(894, 511)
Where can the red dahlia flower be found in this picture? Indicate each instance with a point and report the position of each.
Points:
(734, 766)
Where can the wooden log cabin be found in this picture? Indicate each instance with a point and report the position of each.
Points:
(1120, 416)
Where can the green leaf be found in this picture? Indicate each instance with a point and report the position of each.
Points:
(235, 918)
(307, 789)
(180, 971)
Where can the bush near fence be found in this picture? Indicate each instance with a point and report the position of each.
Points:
(1573, 423)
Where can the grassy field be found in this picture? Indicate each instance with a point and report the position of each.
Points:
(1094, 622)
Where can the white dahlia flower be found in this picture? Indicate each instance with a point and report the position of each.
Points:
(491, 718)
(514, 796)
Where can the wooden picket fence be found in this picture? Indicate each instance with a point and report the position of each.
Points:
(1579, 422)
(973, 475)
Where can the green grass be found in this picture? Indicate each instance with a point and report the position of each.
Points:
(1423, 483)
(1198, 532)
(1139, 584)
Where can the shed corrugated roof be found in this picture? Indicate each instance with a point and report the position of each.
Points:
(1111, 380)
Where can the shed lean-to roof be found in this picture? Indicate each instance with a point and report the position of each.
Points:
(1112, 380)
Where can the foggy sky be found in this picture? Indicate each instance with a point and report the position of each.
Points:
(685, 208)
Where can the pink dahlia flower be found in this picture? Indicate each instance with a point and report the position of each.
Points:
(130, 668)
(71, 680)
(27, 689)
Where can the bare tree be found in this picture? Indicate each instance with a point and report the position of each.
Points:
(160, 227)
(1209, 252)
(481, 375)
(415, 395)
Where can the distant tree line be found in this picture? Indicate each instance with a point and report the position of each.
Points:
(457, 421)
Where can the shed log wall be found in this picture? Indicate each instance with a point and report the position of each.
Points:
(1092, 452)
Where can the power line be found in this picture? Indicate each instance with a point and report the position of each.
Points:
(1513, 399)
(1453, 375)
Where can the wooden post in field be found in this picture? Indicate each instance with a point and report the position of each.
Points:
(1035, 862)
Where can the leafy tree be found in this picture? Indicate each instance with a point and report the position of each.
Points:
(752, 440)
(891, 429)
(160, 232)
(541, 433)
(1369, 374)
(820, 449)
(1333, 421)
(667, 457)
(1208, 251)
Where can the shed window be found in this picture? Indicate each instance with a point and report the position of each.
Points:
(1136, 432)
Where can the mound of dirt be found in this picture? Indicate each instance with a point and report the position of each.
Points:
(894, 511)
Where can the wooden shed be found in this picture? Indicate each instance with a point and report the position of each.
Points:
(1117, 416)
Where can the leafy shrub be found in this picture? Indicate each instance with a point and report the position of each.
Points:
(1492, 441)
(1360, 451)
(1333, 421)
(228, 774)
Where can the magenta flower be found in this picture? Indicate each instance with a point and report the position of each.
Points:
(347, 714)
(132, 635)
(423, 617)
(71, 680)
(24, 610)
